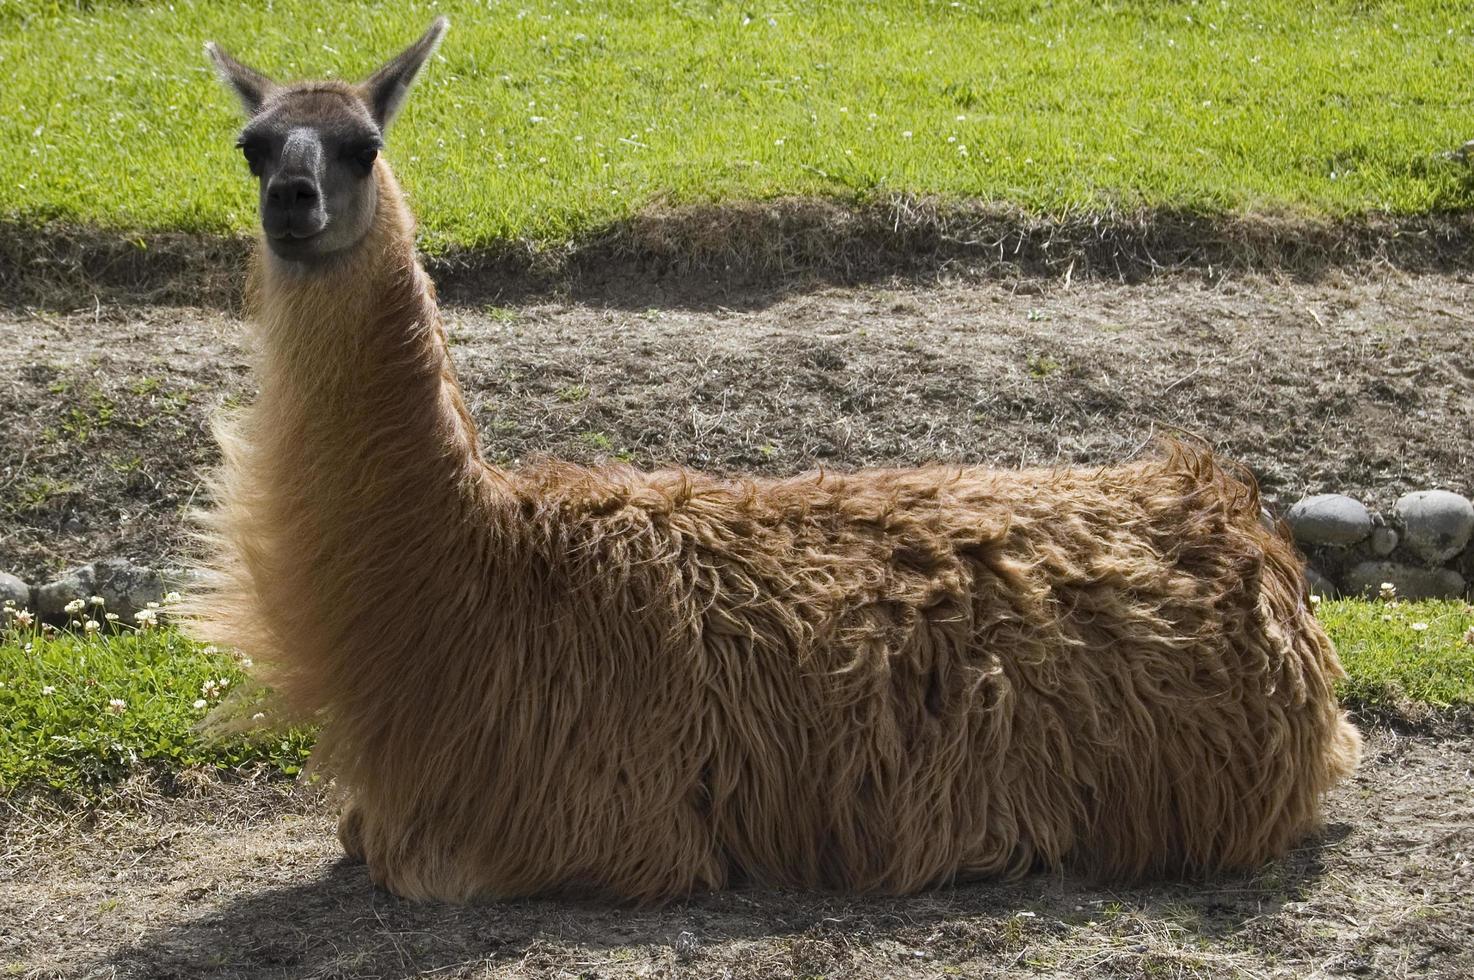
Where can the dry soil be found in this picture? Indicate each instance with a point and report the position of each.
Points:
(1360, 383)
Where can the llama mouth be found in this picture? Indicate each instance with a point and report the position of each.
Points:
(289, 235)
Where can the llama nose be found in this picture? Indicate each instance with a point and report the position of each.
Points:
(292, 193)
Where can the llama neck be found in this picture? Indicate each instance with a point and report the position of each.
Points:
(356, 382)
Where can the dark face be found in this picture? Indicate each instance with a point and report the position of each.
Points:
(313, 152)
(313, 147)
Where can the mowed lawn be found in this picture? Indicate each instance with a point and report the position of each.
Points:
(85, 710)
(543, 121)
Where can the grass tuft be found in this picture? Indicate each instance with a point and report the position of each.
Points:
(86, 710)
(1399, 654)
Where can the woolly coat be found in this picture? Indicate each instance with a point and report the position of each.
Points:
(559, 678)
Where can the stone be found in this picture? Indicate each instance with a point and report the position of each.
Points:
(127, 588)
(1329, 518)
(1412, 582)
(14, 591)
(51, 599)
(183, 580)
(1318, 584)
(1383, 541)
(1436, 524)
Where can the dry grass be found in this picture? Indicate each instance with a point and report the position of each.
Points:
(245, 881)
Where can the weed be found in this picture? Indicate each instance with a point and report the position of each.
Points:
(1042, 365)
(597, 440)
(573, 393)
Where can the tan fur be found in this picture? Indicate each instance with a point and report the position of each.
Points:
(559, 678)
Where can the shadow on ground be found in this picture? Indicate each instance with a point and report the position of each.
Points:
(748, 255)
(337, 925)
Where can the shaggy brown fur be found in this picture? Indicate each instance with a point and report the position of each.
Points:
(641, 684)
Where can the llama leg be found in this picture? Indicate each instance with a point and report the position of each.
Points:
(350, 831)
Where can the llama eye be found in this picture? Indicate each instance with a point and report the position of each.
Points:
(255, 156)
(365, 157)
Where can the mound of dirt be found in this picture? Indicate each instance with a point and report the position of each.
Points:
(1356, 384)
(767, 244)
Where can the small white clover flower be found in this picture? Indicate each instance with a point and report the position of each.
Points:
(48, 689)
(1387, 591)
(91, 626)
(171, 597)
(246, 662)
(200, 704)
(153, 605)
(1469, 636)
(146, 618)
(110, 617)
(97, 600)
(74, 607)
(259, 716)
(1314, 599)
(1419, 627)
(117, 706)
(24, 618)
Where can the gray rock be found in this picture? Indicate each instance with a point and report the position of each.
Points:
(124, 586)
(127, 587)
(1318, 584)
(1383, 541)
(1366, 578)
(1436, 524)
(78, 583)
(1329, 518)
(14, 591)
(182, 579)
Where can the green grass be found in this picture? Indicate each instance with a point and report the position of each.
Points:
(61, 729)
(545, 120)
(1391, 661)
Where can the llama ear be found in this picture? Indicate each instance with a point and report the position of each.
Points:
(248, 84)
(385, 89)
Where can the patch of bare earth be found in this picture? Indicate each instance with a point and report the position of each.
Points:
(248, 881)
(1363, 384)
(1360, 383)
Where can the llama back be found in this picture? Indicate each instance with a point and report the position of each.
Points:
(989, 671)
(871, 682)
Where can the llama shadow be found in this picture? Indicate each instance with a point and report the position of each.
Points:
(339, 925)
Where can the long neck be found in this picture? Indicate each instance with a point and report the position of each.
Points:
(362, 454)
(353, 364)
(352, 488)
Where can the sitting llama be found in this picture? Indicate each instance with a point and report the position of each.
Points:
(568, 679)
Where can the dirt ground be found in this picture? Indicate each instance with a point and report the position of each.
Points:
(1361, 383)
(247, 881)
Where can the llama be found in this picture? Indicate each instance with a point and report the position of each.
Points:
(555, 679)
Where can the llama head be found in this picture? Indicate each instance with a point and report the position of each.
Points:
(313, 147)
